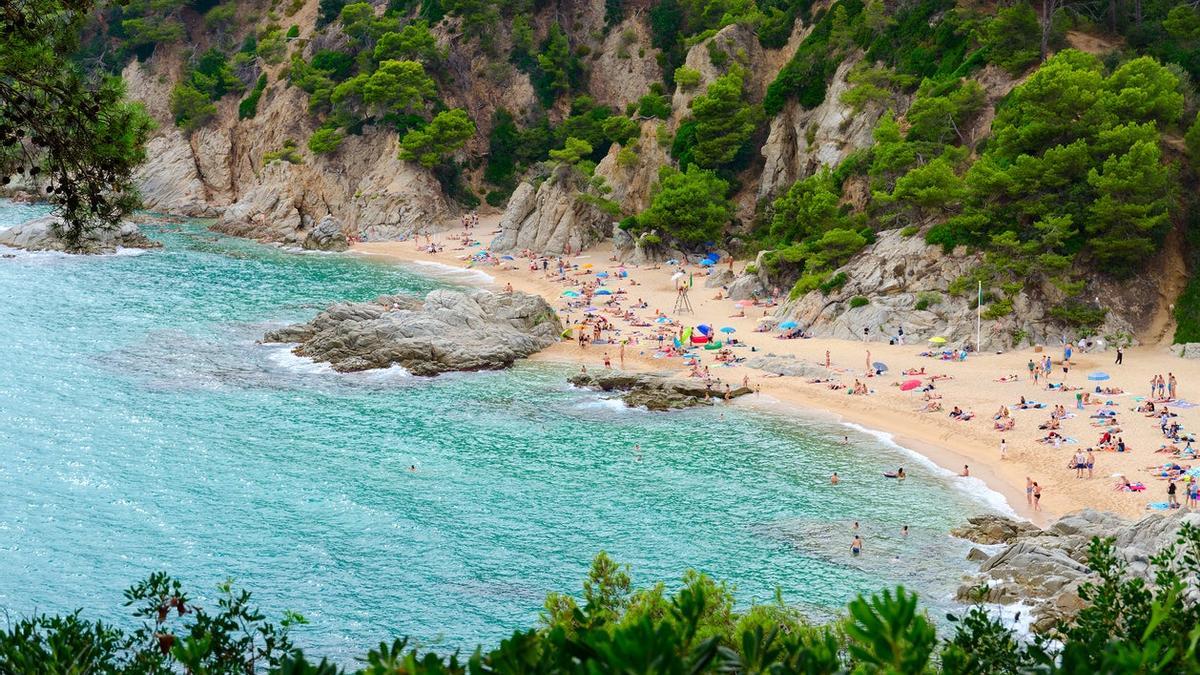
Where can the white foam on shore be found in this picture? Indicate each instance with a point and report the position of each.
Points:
(21, 253)
(971, 486)
(283, 357)
(444, 271)
(613, 404)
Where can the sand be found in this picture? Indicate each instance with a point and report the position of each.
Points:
(948, 442)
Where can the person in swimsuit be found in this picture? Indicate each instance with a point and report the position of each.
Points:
(856, 546)
(900, 475)
(1037, 496)
(833, 480)
(1029, 490)
(904, 531)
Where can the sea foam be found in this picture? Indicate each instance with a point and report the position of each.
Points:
(970, 486)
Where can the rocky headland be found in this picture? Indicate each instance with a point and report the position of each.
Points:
(654, 391)
(1043, 569)
(447, 331)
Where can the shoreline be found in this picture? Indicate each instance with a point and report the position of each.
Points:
(949, 444)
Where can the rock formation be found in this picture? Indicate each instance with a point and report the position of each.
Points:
(654, 391)
(550, 218)
(44, 234)
(1045, 568)
(448, 331)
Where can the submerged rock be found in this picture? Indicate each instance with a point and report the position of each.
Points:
(993, 529)
(654, 391)
(45, 234)
(448, 331)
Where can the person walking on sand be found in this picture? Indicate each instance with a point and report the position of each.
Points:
(1028, 490)
(1037, 496)
(607, 362)
(1120, 355)
(1171, 383)
(1032, 371)
(1091, 462)
(900, 335)
(1003, 449)
(1172, 500)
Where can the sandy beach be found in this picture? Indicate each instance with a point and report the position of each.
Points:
(973, 385)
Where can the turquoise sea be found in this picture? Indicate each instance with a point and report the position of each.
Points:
(142, 428)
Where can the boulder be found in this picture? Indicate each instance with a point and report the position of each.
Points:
(1189, 350)
(654, 391)
(328, 235)
(788, 365)
(993, 529)
(44, 234)
(747, 286)
(448, 331)
(551, 218)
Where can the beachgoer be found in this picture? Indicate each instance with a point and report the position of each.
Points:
(1172, 501)
(1091, 462)
(1029, 490)
(966, 471)
(856, 546)
(900, 475)
(1003, 449)
(834, 480)
(412, 467)
(904, 531)
(1037, 496)
(854, 526)
(607, 362)
(1120, 356)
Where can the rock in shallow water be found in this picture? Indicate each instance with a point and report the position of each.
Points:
(654, 391)
(44, 234)
(448, 331)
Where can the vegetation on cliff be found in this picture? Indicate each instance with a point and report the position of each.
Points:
(1125, 626)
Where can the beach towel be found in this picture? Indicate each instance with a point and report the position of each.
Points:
(1186, 405)
(1158, 506)
(1069, 440)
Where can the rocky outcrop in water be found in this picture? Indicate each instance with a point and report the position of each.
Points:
(654, 391)
(1045, 568)
(43, 234)
(447, 331)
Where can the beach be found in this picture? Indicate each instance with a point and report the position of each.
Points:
(977, 384)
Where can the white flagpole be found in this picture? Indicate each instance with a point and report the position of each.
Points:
(979, 321)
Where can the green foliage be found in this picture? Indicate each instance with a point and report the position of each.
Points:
(414, 42)
(859, 301)
(190, 107)
(833, 283)
(477, 15)
(445, 133)
(1192, 141)
(248, 107)
(686, 78)
(810, 207)
(560, 68)
(1013, 38)
(1126, 625)
(396, 87)
(724, 122)
(77, 133)
(926, 299)
(288, 153)
(293, 32)
(325, 140)
(942, 109)
(620, 129)
(328, 10)
(573, 152)
(655, 105)
(691, 206)
(931, 187)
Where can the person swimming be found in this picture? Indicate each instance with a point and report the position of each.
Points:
(900, 475)
(856, 546)
(834, 480)
(904, 531)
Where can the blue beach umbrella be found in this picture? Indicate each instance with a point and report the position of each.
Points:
(602, 275)
(603, 291)
(1098, 376)
(662, 319)
(707, 263)
(728, 329)
(507, 257)
(571, 294)
(788, 324)
(879, 367)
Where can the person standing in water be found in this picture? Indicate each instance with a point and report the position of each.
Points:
(856, 546)
(834, 480)
(904, 531)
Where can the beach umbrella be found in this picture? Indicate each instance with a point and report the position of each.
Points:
(788, 324)
(707, 263)
(507, 257)
(728, 329)
(672, 261)
(662, 319)
(571, 294)
(591, 309)
(603, 291)
(910, 385)
(677, 276)
(1098, 376)
(879, 366)
(938, 340)
(602, 275)
(587, 266)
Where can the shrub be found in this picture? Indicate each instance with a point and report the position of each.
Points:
(926, 299)
(288, 153)
(248, 108)
(686, 78)
(998, 309)
(909, 231)
(833, 283)
(293, 32)
(859, 301)
(325, 140)
(496, 198)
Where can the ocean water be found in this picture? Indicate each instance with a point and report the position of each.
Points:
(142, 428)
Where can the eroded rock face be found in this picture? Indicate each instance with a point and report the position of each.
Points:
(654, 391)
(801, 140)
(328, 235)
(1045, 568)
(633, 184)
(625, 65)
(43, 234)
(448, 331)
(551, 218)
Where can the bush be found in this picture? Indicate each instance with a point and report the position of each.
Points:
(288, 153)
(496, 198)
(686, 78)
(248, 108)
(191, 107)
(909, 231)
(859, 301)
(293, 32)
(926, 299)
(833, 283)
(325, 140)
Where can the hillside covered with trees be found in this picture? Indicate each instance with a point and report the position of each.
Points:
(1054, 143)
